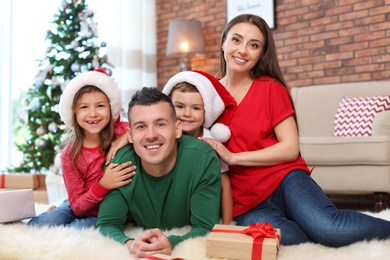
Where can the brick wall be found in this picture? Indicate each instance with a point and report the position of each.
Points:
(318, 42)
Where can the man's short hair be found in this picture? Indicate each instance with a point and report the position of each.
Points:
(148, 96)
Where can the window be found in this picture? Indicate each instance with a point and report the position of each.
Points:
(23, 26)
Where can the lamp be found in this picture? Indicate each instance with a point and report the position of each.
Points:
(184, 37)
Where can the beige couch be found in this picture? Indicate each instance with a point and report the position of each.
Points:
(344, 165)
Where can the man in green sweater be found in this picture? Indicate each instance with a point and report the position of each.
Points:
(177, 181)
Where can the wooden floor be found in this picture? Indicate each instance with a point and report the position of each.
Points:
(354, 202)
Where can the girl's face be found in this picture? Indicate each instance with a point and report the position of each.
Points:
(243, 47)
(93, 112)
(189, 108)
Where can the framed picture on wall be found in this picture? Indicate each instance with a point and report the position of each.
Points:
(263, 8)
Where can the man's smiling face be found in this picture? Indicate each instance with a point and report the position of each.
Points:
(153, 132)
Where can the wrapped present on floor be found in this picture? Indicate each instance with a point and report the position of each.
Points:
(161, 257)
(41, 196)
(16, 205)
(254, 242)
(22, 180)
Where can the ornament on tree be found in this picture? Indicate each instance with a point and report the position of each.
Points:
(22, 114)
(38, 83)
(48, 93)
(75, 67)
(53, 127)
(35, 103)
(41, 131)
(75, 44)
(40, 143)
(95, 63)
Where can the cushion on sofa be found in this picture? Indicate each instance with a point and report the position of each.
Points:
(381, 124)
(355, 115)
(325, 151)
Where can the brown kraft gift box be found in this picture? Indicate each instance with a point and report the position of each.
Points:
(235, 242)
(40, 196)
(22, 180)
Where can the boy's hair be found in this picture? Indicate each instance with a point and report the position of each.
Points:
(148, 96)
(184, 87)
(75, 136)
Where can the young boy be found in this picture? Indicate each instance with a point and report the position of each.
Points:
(200, 100)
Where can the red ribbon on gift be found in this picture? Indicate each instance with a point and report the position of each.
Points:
(3, 181)
(258, 231)
(159, 258)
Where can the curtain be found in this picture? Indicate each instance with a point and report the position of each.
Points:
(129, 28)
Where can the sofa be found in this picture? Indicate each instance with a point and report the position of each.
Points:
(346, 157)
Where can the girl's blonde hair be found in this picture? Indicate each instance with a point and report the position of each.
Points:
(75, 137)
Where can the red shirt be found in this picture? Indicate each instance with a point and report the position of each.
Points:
(266, 104)
(82, 183)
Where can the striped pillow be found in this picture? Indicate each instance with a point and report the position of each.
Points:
(355, 115)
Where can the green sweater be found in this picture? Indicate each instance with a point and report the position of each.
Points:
(188, 195)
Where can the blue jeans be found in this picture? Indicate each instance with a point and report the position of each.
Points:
(305, 214)
(62, 215)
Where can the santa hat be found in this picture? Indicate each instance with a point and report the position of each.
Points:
(98, 78)
(215, 98)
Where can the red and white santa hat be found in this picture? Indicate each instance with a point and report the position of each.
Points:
(98, 78)
(219, 105)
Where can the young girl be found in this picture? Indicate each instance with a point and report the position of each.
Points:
(198, 100)
(270, 180)
(90, 106)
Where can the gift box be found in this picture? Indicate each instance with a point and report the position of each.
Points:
(254, 242)
(16, 205)
(41, 196)
(161, 257)
(22, 180)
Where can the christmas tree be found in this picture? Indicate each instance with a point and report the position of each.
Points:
(72, 48)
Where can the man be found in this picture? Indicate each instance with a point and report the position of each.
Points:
(177, 181)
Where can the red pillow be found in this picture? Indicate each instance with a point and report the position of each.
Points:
(355, 115)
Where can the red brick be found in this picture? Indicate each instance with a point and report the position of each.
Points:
(369, 68)
(366, 5)
(354, 46)
(324, 36)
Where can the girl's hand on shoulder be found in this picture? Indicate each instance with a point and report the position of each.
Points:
(220, 148)
(119, 143)
(117, 175)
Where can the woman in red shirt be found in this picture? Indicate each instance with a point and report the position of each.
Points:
(270, 180)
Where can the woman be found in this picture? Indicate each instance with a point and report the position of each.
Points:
(270, 180)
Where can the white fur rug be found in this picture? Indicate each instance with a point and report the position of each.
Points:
(19, 241)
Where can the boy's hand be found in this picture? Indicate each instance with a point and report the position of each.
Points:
(116, 176)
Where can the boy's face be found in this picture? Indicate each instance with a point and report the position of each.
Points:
(189, 108)
(153, 133)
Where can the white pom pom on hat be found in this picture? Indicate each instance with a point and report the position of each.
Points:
(215, 97)
(98, 78)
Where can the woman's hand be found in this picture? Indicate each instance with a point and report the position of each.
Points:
(116, 176)
(286, 149)
(119, 143)
(222, 151)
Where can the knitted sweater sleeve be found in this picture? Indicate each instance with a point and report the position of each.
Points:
(84, 196)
